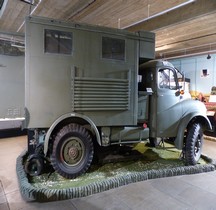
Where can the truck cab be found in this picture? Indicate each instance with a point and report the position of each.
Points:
(163, 104)
(159, 81)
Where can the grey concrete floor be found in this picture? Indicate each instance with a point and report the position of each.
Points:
(181, 192)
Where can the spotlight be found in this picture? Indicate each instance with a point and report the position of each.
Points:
(28, 1)
(209, 56)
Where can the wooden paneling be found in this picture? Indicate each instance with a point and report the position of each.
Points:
(194, 33)
(191, 26)
(109, 12)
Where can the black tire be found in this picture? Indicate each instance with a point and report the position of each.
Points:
(193, 145)
(72, 152)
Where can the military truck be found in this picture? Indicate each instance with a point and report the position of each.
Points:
(89, 87)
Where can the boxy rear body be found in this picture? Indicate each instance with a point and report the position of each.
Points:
(94, 73)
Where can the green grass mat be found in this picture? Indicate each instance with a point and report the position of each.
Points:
(150, 163)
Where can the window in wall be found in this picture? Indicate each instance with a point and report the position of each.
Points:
(58, 42)
(166, 79)
(113, 48)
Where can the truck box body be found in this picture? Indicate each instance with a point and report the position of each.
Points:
(84, 69)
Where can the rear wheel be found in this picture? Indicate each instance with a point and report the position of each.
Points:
(194, 142)
(72, 152)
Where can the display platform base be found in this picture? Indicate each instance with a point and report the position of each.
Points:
(150, 163)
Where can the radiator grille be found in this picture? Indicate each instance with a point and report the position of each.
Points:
(100, 94)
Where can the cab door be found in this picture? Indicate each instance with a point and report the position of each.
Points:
(167, 100)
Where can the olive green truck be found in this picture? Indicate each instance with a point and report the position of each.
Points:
(88, 87)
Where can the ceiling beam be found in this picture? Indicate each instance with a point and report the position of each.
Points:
(12, 33)
(173, 17)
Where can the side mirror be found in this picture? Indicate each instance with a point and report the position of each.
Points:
(179, 92)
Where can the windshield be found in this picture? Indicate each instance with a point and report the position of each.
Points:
(167, 79)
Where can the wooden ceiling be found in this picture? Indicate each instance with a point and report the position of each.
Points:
(182, 27)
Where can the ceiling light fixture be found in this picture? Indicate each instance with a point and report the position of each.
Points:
(18, 46)
(28, 1)
(209, 56)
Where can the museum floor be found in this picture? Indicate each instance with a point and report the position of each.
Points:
(180, 192)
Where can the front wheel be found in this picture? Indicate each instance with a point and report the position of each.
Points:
(193, 145)
(72, 152)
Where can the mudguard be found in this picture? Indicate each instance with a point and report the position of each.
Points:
(67, 116)
(196, 116)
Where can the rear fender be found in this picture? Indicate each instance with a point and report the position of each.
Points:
(73, 117)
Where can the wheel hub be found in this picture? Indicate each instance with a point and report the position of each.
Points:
(72, 151)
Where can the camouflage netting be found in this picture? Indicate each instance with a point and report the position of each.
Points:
(43, 194)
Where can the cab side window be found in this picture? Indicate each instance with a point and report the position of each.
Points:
(167, 79)
(145, 80)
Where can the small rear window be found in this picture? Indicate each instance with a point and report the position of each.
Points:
(58, 42)
(113, 48)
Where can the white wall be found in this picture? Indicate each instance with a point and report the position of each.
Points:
(193, 67)
(12, 77)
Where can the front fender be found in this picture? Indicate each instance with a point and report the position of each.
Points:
(67, 116)
(198, 117)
